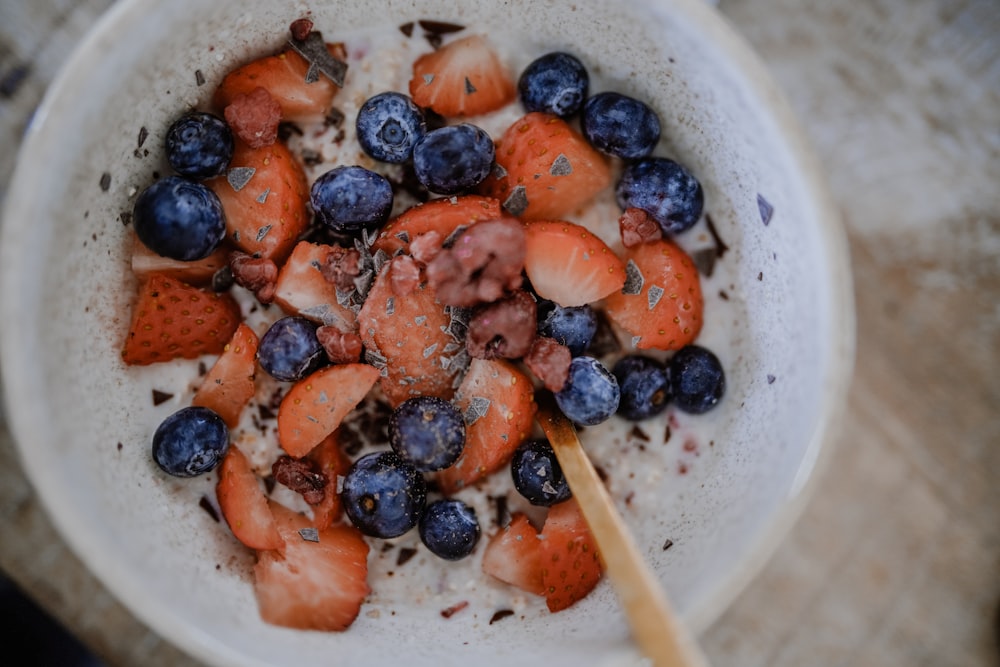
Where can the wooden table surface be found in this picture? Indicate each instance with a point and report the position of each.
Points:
(896, 560)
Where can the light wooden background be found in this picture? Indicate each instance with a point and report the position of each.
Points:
(897, 558)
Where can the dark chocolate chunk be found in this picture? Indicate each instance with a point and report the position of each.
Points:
(120, 445)
(161, 397)
(310, 534)
(440, 27)
(434, 40)
(404, 556)
(209, 508)
(335, 118)
(638, 434)
(286, 129)
(126, 218)
(517, 201)
(500, 615)
(143, 134)
(238, 177)
(199, 78)
(765, 208)
(704, 261)
(633, 279)
(669, 543)
(407, 28)
(314, 50)
(503, 512)
(105, 181)
(771, 378)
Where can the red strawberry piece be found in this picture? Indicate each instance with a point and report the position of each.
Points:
(443, 216)
(284, 78)
(229, 385)
(513, 556)
(498, 402)
(462, 78)
(145, 262)
(302, 289)
(315, 405)
(244, 504)
(333, 463)
(174, 320)
(408, 338)
(264, 197)
(254, 117)
(318, 581)
(567, 264)
(571, 566)
(661, 305)
(545, 169)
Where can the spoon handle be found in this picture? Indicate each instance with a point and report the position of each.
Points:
(660, 634)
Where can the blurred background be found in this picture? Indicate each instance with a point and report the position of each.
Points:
(896, 560)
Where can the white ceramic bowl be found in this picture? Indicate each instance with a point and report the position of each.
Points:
(83, 421)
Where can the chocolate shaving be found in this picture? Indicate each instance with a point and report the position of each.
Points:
(517, 202)
(478, 407)
(105, 181)
(440, 27)
(404, 556)
(265, 413)
(199, 78)
(771, 378)
(223, 279)
(765, 208)
(605, 341)
(263, 199)
(500, 615)
(209, 508)
(669, 543)
(335, 118)
(503, 512)
(13, 79)
(561, 166)
(314, 50)
(143, 134)
(499, 171)
(286, 129)
(654, 295)
(434, 40)
(407, 28)
(160, 397)
(638, 434)
(723, 295)
(454, 609)
(704, 261)
(120, 446)
(310, 157)
(238, 177)
(126, 218)
(309, 534)
(469, 88)
(633, 279)
(720, 246)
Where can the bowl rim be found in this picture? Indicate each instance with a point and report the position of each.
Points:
(743, 60)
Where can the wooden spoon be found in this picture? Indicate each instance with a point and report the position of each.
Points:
(661, 635)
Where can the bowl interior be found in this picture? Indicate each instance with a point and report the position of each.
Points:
(714, 489)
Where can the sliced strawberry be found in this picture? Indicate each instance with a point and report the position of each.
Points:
(571, 566)
(314, 407)
(284, 77)
(229, 385)
(498, 402)
(332, 462)
(264, 197)
(145, 262)
(663, 309)
(303, 290)
(545, 169)
(244, 504)
(462, 78)
(443, 216)
(410, 335)
(513, 556)
(312, 585)
(174, 320)
(569, 265)
(254, 117)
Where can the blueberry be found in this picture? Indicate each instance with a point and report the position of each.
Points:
(351, 199)
(555, 83)
(179, 219)
(453, 158)
(289, 350)
(383, 495)
(591, 393)
(696, 379)
(190, 442)
(573, 326)
(199, 145)
(429, 432)
(663, 189)
(620, 125)
(537, 474)
(450, 529)
(645, 387)
(388, 126)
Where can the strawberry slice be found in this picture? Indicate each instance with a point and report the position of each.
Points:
(174, 320)
(462, 78)
(662, 305)
(408, 338)
(302, 289)
(569, 265)
(264, 197)
(229, 385)
(244, 504)
(571, 566)
(443, 216)
(332, 462)
(312, 585)
(284, 77)
(545, 169)
(498, 402)
(513, 556)
(145, 263)
(315, 405)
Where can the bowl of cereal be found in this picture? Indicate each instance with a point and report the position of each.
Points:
(275, 328)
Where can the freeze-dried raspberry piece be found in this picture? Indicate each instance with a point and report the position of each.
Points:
(254, 117)
(426, 246)
(483, 264)
(549, 361)
(301, 476)
(257, 274)
(505, 328)
(638, 227)
(404, 275)
(340, 347)
(300, 29)
(342, 266)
